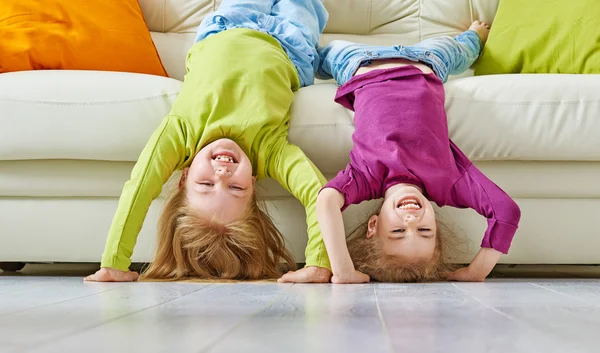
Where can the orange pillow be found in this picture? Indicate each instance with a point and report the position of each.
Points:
(106, 35)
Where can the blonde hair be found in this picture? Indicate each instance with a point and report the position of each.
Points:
(368, 257)
(192, 246)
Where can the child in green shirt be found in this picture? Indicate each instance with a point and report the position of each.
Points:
(227, 129)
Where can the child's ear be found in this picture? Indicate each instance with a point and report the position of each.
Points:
(253, 180)
(372, 227)
(183, 178)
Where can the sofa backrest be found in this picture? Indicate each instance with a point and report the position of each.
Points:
(173, 23)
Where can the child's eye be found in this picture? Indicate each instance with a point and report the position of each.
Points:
(234, 187)
(206, 184)
(424, 230)
(399, 230)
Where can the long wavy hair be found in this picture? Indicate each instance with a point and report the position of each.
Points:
(190, 246)
(369, 258)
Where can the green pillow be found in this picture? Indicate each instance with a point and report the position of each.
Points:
(543, 36)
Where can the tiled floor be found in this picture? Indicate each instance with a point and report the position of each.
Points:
(41, 312)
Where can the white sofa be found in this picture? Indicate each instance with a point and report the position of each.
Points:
(68, 140)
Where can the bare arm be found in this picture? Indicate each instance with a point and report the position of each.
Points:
(329, 215)
(483, 263)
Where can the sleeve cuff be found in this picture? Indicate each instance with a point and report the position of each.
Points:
(116, 263)
(499, 235)
(318, 260)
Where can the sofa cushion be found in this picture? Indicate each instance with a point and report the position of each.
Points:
(526, 117)
(80, 114)
(70, 178)
(109, 116)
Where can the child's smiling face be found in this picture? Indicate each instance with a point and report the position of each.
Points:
(219, 182)
(406, 225)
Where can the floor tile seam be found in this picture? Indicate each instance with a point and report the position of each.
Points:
(382, 321)
(510, 317)
(566, 295)
(53, 340)
(38, 285)
(497, 311)
(60, 302)
(211, 345)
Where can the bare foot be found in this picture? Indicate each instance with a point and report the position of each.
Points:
(482, 28)
(112, 275)
(309, 274)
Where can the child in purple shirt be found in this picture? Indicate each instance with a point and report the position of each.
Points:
(402, 153)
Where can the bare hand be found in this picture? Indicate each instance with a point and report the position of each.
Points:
(353, 277)
(309, 274)
(112, 275)
(465, 274)
(479, 268)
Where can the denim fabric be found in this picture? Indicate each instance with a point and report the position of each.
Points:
(445, 55)
(296, 24)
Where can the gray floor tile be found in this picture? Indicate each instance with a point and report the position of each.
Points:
(587, 291)
(574, 328)
(188, 324)
(47, 324)
(517, 293)
(566, 322)
(60, 314)
(316, 318)
(439, 317)
(29, 293)
(12, 285)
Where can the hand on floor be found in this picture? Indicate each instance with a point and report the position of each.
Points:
(112, 275)
(309, 274)
(465, 275)
(350, 278)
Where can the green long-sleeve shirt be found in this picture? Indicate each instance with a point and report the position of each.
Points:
(239, 85)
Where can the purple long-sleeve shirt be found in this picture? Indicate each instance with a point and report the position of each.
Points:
(401, 136)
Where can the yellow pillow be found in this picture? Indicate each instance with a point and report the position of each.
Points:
(106, 35)
(543, 36)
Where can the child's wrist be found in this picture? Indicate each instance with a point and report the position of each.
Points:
(483, 263)
(477, 272)
(486, 258)
(343, 271)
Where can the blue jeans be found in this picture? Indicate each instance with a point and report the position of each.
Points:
(445, 55)
(296, 24)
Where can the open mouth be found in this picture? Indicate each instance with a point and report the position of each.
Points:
(409, 204)
(224, 157)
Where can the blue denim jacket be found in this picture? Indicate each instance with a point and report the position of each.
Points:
(445, 55)
(296, 24)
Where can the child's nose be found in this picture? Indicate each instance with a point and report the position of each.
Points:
(222, 172)
(411, 219)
